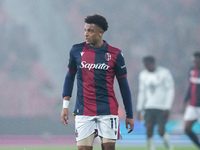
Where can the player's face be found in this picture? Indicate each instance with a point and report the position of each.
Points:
(150, 66)
(93, 35)
(196, 61)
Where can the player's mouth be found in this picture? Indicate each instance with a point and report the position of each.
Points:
(87, 40)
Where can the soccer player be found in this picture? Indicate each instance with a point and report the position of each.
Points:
(192, 112)
(155, 98)
(96, 63)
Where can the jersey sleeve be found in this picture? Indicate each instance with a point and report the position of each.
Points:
(169, 84)
(68, 84)
(72, 61)
(120, 67)
(70, 76)
(126, 96)
(187, 95)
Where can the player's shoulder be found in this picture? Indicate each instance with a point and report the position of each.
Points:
(163, 70)
(191, 70)
(113, 49)
(78, 46)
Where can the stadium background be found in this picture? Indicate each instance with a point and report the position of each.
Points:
(35, 39)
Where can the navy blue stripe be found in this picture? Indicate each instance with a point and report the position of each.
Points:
(103, 106)
(79, 107)
(198, 92)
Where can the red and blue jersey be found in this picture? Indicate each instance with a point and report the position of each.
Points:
(96, 69)
(193, 93)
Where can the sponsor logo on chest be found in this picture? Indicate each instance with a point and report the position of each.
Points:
(89, 66)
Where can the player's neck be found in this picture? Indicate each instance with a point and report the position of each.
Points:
(98, 44)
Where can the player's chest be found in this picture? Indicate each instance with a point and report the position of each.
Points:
(90, 60)
(195, 76)
(153, 80)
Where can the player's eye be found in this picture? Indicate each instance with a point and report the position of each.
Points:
(90, 30)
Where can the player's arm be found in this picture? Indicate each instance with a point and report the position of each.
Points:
(187, 98)
(169, 84)
(68, 86)
(65, 110)
(121, 74)
(126, 96)
(169, 90)
(67, 92)
(187, 95)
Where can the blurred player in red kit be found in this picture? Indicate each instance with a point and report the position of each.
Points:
(192, 99)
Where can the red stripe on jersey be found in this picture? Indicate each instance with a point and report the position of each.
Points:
(89, 94)
(110, 80)
(193, 89)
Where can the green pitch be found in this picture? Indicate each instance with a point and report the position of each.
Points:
(95, 148)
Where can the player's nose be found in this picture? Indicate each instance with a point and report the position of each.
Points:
(86, 34)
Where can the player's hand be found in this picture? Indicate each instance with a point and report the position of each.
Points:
(129, 124)
(64, 116)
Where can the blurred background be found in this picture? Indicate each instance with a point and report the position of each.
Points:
(37, 35)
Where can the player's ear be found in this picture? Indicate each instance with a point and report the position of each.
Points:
(101, 33)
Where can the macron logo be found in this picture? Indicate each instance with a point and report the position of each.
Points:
(81, 53)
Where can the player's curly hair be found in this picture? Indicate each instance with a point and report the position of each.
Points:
(97, 20)
(196, 54)
(149, 59)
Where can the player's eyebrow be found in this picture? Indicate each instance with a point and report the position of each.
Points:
(89, 29)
